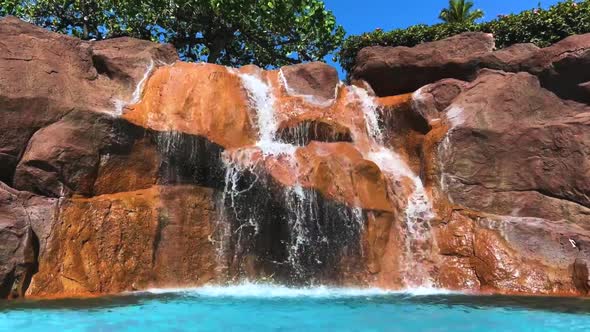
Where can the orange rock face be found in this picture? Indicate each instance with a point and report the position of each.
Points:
(339, 171)
(156, 237)
(205, 100)
(139, 169)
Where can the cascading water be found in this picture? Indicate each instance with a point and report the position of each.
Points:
(263, 100)
(314, 230)
(266, 227)
(418, 211)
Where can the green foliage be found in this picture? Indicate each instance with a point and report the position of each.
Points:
(459, 11)
(542, 27)
(230, 32)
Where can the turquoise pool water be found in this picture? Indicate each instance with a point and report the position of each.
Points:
(272, 308)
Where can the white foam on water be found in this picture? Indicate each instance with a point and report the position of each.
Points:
(256, 290)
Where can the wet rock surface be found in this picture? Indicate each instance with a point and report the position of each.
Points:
(129, 241)
(122, 169)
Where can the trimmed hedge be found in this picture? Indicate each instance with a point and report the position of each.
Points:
(538, 26)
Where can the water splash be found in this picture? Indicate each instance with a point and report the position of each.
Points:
(257, 290)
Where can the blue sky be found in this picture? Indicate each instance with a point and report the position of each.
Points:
(367, 15)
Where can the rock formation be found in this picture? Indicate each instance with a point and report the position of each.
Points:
(122, 168)
(394, 70)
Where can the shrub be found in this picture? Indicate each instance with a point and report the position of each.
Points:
(538, 26)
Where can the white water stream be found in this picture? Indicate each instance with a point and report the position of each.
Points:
(418, 211)
(301, 205)
(303, 212)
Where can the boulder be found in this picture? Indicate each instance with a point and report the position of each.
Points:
(196, 99)
(63, 158)
(46, 75)
(23, 221)
(512, 254)
(561, 67)
(430, 101)
(396, 70)
(340, 172)
(512, 141)
(128, 61)
(315, 79)
(509, 59)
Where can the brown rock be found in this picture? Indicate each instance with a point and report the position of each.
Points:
(581, 278)
(513, 145)
(377, 238)
(396, 70)
(403, 129)
(303, 130)
(132, 170)
(38, 71)
(560, 67)
(63, 158)
(511, 255)
(430, 101)
(20, 214)
(336, 170)
(510, 59)
(456, 237)
(340, 172)
(458, 273)
(46, 75)
(114, 59)
(315, 79)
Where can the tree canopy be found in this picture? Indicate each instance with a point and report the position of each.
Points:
(229, 32)
(460, 11)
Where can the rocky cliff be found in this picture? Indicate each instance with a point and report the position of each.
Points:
(445, 165)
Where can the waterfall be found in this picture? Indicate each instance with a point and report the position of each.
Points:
(369, 109)
(418, 211)
(315, 229)
(262, 99)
